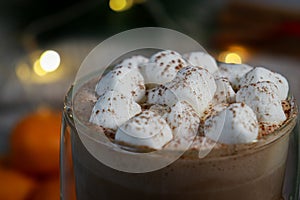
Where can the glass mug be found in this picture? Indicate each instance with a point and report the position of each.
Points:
(269, 171)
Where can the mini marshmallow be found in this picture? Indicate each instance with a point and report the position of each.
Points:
(162, 110)
(236, 124)
(113, 109)
(161, 95)
(224, 92)
(199, 76)
(202, 59)
(263, 98)
(233, 72)
(194, 85)
(184, 122)
(124, 78)
(260, 74)
(162, 67)
(134, 61)
(183, 119)
(218, 108)
(147, 129)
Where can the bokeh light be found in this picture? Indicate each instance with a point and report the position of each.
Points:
(234, 54)
(233, 58)
(49, 61)
(120, 5)
(37, 68)
(23, 72)
(40, 67)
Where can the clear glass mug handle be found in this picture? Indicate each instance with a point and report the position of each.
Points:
(67, 178)
(292, 174)
(297, 178)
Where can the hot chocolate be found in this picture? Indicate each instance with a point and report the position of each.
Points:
(244, 159)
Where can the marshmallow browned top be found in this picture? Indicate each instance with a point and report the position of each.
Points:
(260, 74)
(162, 67)
(263, 98)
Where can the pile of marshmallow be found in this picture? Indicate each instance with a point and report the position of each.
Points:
(179, 90)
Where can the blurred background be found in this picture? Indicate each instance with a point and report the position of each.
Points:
(44, 42)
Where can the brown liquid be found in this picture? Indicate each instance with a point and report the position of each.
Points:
(254, 171)
(255, 176)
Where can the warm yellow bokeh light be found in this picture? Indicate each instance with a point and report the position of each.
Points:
(222, 56)
(37, 68)
(117, 5)
(23, 72)
(233, 58)
(49, 61)
(234, 54)
(120, 5)
(242, 51)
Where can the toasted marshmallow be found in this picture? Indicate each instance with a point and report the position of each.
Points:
(224, 92)
(260, 74)
(235, 124)
(202, 59)
(124, 78)
(147, 129)
(162, 67)
(233, 72)
(263, 98)
(113, 109)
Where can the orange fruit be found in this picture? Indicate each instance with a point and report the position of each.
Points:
(48, 190)
(14, 185)
(35, 143)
